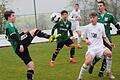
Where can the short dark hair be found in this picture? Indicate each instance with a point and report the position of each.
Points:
(77, 4)
(64, 11)
(102, 2)
(8, 14)
(93, 14)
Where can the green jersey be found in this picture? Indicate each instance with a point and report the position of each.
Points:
(10, 30)
(63, 28)
(106, 19)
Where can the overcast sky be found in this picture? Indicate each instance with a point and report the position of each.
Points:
(43, 6)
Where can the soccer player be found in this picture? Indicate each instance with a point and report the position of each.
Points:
(105, 18)
(63, 27)
(20, 42)
(93, 37)
(75, 17)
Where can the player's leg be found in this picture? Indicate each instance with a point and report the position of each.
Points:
(28, 61)
(39, 33)
(88, 60)
(95, 60)
(78, 39)
(108, 54)
(70, 43)
(59, 47)
(103, 67)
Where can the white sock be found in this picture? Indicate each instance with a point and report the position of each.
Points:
(109, 64)
(83, 69)
(78, 39)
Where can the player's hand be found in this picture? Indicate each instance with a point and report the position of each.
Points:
(71, 37)
(78, 19)
(112, 45)
(21, 48)
(87, 42)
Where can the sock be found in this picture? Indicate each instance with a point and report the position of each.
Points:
(95, 60)
(55, 54)
(30, 74)
(109, 64)
(103, 67)
(72, 52)
(83, 69)
(78, 39)
(39, 33)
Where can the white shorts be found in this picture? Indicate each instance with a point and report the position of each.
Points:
(96, 52)
(75, 26)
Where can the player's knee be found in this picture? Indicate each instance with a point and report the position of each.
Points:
(34, 32)
(57, 50)
(72, 46)
(88, 62)
(30, 65)
(109, 54)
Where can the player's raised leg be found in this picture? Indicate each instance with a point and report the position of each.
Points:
(36, 32)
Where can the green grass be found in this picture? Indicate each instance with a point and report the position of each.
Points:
(12, 68)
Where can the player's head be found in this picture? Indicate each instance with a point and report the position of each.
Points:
(101, 6)
(76, 6)
(64, 14)
(93, 18)
(10, 16)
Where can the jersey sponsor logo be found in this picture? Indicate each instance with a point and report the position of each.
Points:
(24, 36)
(106, 19)
(63, 29)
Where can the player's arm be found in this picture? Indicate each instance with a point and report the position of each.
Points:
(53, 29)
(70, 31)
(71, 18)
(13, 36)
(85, 38)
(105, 37)
(117, 25)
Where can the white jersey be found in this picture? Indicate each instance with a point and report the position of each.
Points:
(75, 23)
(95, 34)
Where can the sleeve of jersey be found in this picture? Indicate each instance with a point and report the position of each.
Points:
(113, 20)
(53, 29)
(71, 18)
(13, 35)
(70, 31)
(103, 31)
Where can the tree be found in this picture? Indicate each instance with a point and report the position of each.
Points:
(2, 10)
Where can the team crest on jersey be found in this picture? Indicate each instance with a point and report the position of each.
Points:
(67, 25)
(94, 35)
(61, 24)
(106, 19)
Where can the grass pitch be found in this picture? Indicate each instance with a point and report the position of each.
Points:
(12, 67)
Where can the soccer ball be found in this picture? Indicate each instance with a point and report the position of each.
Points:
(55, 17)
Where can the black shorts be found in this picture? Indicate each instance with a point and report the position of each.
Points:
(26, 39)
(66, 42)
